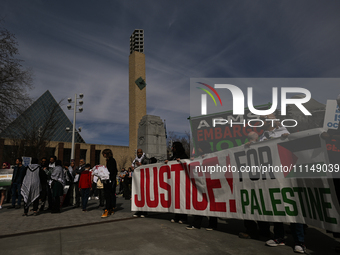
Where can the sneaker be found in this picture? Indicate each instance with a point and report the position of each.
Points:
(180, 222)
(0, 207)
(89, 198)
(135, 215)
(96, 198)
(300, 248)
(275, 242)
(172, 220)
(105, 214)
(209, 229)
(190, 227)
(142, 216)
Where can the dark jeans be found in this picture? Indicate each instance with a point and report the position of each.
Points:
(85, 193)
(181, 217)
(110, 195)
(139, 213)
(251, 226)
(35, 206)
(67, 200)
(49, 197)
(120, 187)
(55, 206)
(16, 189)
(126, 191)
(298, 233)
(94, 191)
(198, 222)
(43, 196)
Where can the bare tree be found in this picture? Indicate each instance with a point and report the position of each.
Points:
(15, 80)
(123, 161)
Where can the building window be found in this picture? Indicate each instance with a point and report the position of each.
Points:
(83, 154)
(97, 157)
(67, 155)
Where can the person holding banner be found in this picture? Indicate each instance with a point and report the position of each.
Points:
(332, 138)
(203, 149)
(178, 154)
(273, 129)
(251, 225)
(138, 161)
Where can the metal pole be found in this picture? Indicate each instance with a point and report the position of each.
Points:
(74, 125)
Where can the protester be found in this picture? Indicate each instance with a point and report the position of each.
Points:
(178, 154)
(57, 184)
(332, 137)
(140, 159)
(77, 173)
(251, 226)
(100, 189)
(44, 185)
(102, 174)
(68, 183)
(203, 149)
(48, 172)
(73, 185)
(121, 180)
(3, 189)
(127, 184)
(273, 129)
(32, 185)
(85, 185)
(110, 185)
(17, 178)
(94, 190)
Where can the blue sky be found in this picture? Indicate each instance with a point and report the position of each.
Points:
(83, 47)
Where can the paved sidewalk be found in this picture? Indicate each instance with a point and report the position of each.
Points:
(120, 233)
(15, 223)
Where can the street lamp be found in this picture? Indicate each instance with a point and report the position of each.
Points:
(69, 107)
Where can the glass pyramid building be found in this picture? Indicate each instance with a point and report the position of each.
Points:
(34, 121)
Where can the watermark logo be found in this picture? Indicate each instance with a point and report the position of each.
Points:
(238, 99)
(204, 97)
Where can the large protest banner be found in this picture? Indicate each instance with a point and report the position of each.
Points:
(276, 180)
(223, 137)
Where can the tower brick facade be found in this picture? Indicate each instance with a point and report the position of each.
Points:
(137, 96)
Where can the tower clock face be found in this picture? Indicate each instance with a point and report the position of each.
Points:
(140, 83)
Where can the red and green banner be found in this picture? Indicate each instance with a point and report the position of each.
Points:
(278, 180)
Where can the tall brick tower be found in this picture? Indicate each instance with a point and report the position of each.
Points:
(137, 89)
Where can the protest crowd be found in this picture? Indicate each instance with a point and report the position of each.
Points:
(42, 183)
